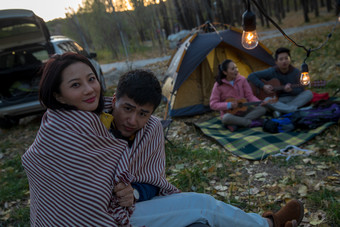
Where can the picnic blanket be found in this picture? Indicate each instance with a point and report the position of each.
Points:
(253, 143)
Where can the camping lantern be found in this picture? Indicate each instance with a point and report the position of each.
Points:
(304, 77)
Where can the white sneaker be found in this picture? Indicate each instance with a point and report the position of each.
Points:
(276, 114)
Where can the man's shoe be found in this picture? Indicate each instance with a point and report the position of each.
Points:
(289, 215)
(276, 114)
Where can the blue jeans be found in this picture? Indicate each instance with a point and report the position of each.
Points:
(288, 104)
(183, 209)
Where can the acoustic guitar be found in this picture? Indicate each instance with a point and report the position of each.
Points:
(242, 105)
(276, 84)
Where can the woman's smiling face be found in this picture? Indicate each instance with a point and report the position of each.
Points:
(231, 72)
(79, 87)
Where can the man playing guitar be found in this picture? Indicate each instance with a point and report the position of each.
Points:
(292, 96)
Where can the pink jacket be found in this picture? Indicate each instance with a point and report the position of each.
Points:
(220, 93)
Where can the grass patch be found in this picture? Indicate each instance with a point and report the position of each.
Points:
(14, 183)
(191, 169)
(19, 216)
(328, 201)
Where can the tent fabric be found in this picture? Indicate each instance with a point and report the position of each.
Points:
(192, 70)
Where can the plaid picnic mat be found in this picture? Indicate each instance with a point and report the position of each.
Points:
(253, 143)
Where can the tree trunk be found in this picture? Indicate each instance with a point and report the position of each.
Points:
(329, 5)
(278, 12)
(287, 6)
(238, 15)
(200, 14)
(198, 21)
(337, 8)
(322, 3)
(221, 11)
(266, 11)
(305, 10)
(231, 13)
(188, 14)
(269, 6)
(158, 28)
(179, 14)
(295, 6)
(283, 12)
(316, 7)
(262, 18)
(209, 10)
(165, 17)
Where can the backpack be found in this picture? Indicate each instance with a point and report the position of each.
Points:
(313, 118)
(281, 124)
(303, 119)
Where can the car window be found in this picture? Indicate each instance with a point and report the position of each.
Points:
(41, 55)
(72, 46)
(64, 47)
(20, 29)
(19, 35)
(79, 48)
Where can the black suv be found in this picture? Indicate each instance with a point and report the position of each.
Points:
(25, 44)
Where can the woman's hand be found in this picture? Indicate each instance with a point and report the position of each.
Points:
(268, 100)
(124, 194)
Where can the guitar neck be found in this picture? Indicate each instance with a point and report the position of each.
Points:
(251, 103)
(313, 84)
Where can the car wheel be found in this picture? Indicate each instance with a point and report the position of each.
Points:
(7, 123)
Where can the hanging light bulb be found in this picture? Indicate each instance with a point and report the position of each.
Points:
(304, 77)
(250, 39)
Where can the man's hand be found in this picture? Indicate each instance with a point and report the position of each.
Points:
(268, 89)
(124, 194)
(288, 87)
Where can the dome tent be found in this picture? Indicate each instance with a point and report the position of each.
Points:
(191, 73)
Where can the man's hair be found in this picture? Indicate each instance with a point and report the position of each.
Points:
(52, 78)
(280, 51)
(142, 86)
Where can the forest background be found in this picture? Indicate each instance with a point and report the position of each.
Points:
(121, 29)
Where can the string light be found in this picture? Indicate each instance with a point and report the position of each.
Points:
(249, 24)
(304, 77)
(250, 39)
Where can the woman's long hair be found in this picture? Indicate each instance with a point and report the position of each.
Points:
(222, 67)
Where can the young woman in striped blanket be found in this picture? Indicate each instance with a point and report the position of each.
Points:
(82, 174)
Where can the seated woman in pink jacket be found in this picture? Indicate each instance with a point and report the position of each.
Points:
(231, 94)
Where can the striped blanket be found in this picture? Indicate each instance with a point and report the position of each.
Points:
(74, 163)
(253, 143)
